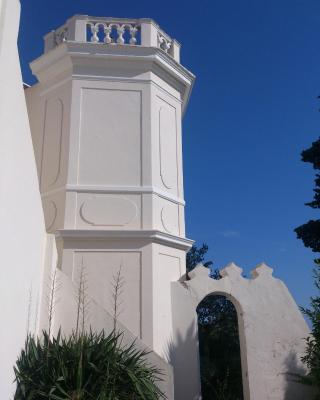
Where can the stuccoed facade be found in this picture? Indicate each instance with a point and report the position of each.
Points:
(105, 121)
(271, 332)
(23, 233)
(106, 127)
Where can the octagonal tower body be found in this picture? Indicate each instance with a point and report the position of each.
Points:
(106, 126)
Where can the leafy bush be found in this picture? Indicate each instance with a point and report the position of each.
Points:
(312, 355)
(310, 235)
(84, 367)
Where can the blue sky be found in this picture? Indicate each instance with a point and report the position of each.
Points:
(253, 109)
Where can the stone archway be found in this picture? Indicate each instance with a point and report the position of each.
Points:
(271, 331)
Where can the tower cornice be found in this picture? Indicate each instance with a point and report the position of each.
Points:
(97, 60)
(145, 236)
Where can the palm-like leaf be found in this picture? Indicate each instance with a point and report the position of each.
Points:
(90, 366)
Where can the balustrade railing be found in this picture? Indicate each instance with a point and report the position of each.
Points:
(111, 31)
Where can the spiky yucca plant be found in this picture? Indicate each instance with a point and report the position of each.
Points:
(84, 367)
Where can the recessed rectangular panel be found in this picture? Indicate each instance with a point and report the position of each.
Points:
(110, 137)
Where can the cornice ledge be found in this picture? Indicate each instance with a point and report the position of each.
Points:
(131, 53)
(99, 50)
(71, 53)
(148, 236)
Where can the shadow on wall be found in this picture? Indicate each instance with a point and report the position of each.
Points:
(184, 347)
(183, 344)
(187, 344)
(218, 353)
(270, 328)
(294, 368)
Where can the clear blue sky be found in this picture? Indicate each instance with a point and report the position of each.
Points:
(252, 111)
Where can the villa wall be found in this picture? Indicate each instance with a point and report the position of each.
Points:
(271, 332)
(22, 234)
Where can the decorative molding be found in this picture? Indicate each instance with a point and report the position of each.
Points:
(126, 81)
(168, 145)
(146, 236)
(54, 109)
(170, 218)
(50, 211)
(141, 57)
(54, 86)
(108, 211)
(116, 190)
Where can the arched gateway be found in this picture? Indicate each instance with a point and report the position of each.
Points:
(219, 349)
(271, 329)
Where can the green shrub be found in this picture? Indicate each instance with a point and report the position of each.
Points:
(84, 367)
(312, 356)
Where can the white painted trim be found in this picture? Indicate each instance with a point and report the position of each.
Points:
(151, 236)
(164, 64)
(116, 190)
(98, 78)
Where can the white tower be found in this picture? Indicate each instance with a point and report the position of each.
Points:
(106, 126)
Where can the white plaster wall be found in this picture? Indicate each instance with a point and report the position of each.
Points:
(183, 352)
(111, 174)
(168, 266)
(22, 236)
(49, 116)
(100, 318)
(113, 158)
(271, 330)
(147, 270)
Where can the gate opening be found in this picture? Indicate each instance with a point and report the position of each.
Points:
(219, 348)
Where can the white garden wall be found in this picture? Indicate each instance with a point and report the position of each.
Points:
(22, 234)
(271, 331)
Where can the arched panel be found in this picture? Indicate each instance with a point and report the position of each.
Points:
(108, 211)
(52, 141)
(168, 146)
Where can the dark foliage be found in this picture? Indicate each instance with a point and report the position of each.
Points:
(310, 232)
(312, 356)
(219, 344)
(310, 235)
(89, 366)
(196, 256)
